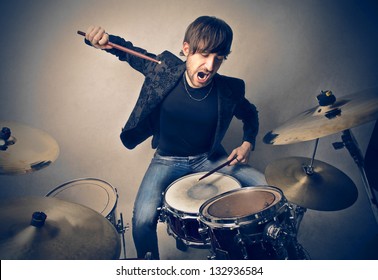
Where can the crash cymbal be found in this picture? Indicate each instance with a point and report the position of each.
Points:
(326, 189)
(70, 231)
(320, 121)
(26, 150)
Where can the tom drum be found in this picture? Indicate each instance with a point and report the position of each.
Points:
(249, 223)
(183, 199)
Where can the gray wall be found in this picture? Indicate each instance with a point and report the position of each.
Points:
(286, 51)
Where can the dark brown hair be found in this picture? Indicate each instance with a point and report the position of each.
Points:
(209, 34)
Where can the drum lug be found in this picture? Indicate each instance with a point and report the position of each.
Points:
(203, 231)
(162, 215)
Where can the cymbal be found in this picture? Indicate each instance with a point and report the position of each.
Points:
(70, 231)
(28, 149)
(326, 189)
(320, 121)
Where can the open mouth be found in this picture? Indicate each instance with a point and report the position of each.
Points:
(202, 76)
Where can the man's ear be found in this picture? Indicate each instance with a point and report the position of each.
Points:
(185, 48)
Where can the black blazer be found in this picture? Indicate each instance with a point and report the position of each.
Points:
(159, 81)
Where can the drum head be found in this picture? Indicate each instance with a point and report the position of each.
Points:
(93, 193)
(187, 194)
(246, 204)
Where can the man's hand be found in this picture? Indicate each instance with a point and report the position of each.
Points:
(243, 152)
(98, 37)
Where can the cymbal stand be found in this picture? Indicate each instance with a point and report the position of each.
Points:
(350, 143)
(309, 169)
(121, 228)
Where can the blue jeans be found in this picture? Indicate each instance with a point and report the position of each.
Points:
(161, 173)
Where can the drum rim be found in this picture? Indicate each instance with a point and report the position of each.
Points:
(233, 222)
(115, 192)
(173, 210)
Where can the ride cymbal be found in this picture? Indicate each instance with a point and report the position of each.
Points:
(24, 149)
(70, 231)
(325, 189)
(320, 121)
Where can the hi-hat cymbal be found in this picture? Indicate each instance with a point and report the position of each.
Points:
(28, 149)
(70, 231)
(326, 189)
(345, 113)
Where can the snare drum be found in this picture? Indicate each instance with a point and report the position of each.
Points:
(183, 199)
(93, 193)
(248, 223)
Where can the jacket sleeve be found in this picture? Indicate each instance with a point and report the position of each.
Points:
(141, 65)
(248, 114)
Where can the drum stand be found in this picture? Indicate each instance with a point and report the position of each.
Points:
(350, 143)
(121, 228)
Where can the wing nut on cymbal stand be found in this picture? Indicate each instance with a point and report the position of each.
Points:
(326, 98)
(38, 219)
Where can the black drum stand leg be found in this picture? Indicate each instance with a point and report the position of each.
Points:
(121, 228)
(350, 143)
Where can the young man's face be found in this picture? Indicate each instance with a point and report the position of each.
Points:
(201, 67)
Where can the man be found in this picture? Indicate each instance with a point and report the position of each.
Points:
(187, 108)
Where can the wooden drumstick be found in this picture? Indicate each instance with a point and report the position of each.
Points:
(217, 168)
(116, 46)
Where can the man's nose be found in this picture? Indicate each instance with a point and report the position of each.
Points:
(209, 64)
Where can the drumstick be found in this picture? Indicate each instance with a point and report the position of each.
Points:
(126, 50)
(217, 168)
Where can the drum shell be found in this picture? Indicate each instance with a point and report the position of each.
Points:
(185, 226)
(94, 193)
(182, 200)
(244, 236)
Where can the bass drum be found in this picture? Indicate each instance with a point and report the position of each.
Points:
(250, 223)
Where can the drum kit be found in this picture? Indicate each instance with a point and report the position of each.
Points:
(215, 213)
(232, 221)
